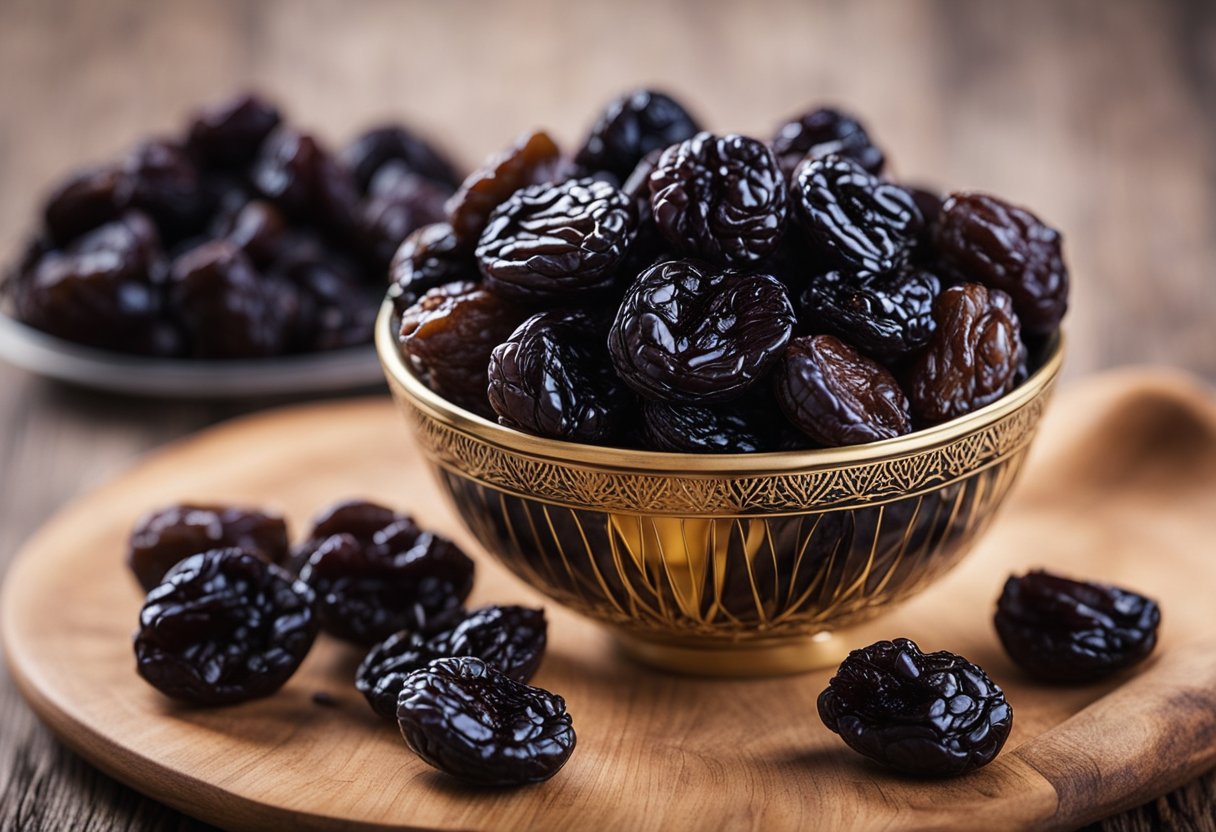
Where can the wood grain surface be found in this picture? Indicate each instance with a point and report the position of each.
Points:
(1101, 114)
(1132, 454)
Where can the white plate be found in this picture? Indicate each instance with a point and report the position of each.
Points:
(323, 372)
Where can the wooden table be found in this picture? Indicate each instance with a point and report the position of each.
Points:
(1101, 115)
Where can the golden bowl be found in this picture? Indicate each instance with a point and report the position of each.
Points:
(725, 564)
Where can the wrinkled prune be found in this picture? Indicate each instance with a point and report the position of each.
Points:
(399, 203)
(929, 714)
(225, 626)
(837, 396)
(824, 132)
(985, 240)
(374, 148)
(257, 228)
(361, 519)
(465, 718)
(529, 161)
(550, 379)
(853, 218)
(160, 178)
(1062, 630)
(548, 242)
(228, 134)
(162, 538)
(447, 338)
(83, 201)
(427, 259)
(887, 316)
(731, 428)
(972, 357)
(295, 172)
(719, 197)
(632, 126)
(382, 673)
(686, 333)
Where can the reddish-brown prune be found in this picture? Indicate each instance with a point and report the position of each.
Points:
(225, 626)
(732, 428)
(1061, 630)
(164, 537)
(361, 519)
(427, 259)
(160, 178)
(690, 333)
(374, 148)
(719, 197)
(552, 242)
(986, 240)
(927, 714)
(229, 133)
(887, 316)
(398, 203)
(447, 338)
(851, 217)
(837, 396)
(465, 718)
(971, 359)
(824, 132)
(512, 639)
(631, 126)
(83, 201)
(529, 161)
(550, 378)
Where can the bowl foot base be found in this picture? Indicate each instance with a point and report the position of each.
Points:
(754, 657)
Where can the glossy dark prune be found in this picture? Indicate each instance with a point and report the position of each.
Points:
(447, 338)
(465, 718)
(887, 316)
(927, 714)
(160, 178)
(823, 132)
(551, 242)
(837, 396)
(83, 201)
(719, 197)
(853, 218)
(983, 239)
(1061, 630)
(971, 359)
(229, 133)
(382, 673)
(258, 229)
(631, 126)
(427, 259)
(297, 173)
(688, 333)
(361, 519)
(399, 203)
(164, 537)
(731, 428)
(225, 626)
(551, 379)
(374, 148)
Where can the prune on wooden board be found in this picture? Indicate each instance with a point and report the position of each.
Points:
(84, 200)
(399, 202)
(223, 627)
(1067, 631)
(371, 150)
(428, 258)
(531, 160)
(467, 719)
(721, 198)
(632, 126)
(740, 427)
(512, 639)
(553, 377)
(168, 535)
(837, 396)
(687, 332)
(971, 359)
(823, 132)
(851, 217)
(448, 335)
(553, 242)
(229, 133)
(886, 316)
(984, 239)
(927, 714)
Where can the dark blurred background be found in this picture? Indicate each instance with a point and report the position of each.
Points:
(1100, 115)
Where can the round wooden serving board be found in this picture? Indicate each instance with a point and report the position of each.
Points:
(1122, 487)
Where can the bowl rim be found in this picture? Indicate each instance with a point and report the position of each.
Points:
(402, 379)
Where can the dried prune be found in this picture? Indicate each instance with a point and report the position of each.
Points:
(361, 519)
(529, 161)
(159, 177)
(986, 240)
(447, 338)
(972, 357)
(162, 538)
(1062, 630)
(228, 134)
(887, 316)
(551, 242)
(374, 148)
(296, 172)
(427, 259)
(225, 626)
(467, 719)
(853, 218)
(823, 132)
(83, 201)
(719, 197)
(731, 428)
(399, 203)
(690, 333)
(382, 673)
(257, 228)
(550, 379)
(837, 396)
(632, 126)
(929, 714)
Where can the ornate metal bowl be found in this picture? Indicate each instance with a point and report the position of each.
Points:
(732, 564)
